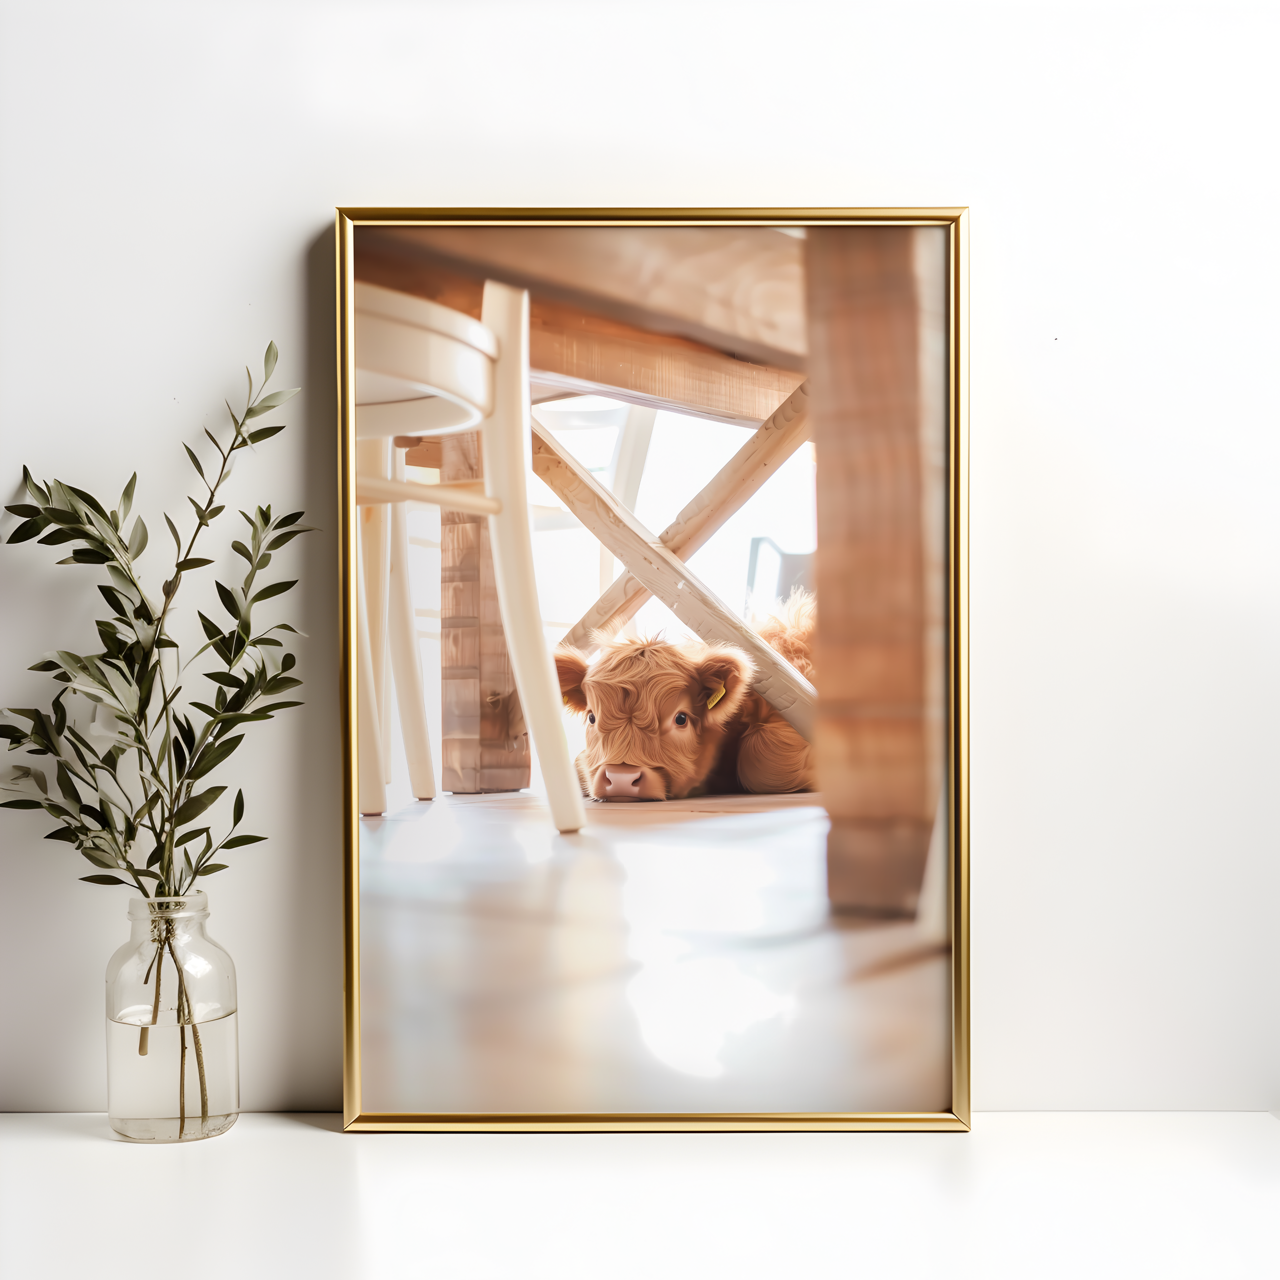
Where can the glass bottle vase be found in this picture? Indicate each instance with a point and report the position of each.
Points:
(173, 1071)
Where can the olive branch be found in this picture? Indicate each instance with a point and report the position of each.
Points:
(140, 789)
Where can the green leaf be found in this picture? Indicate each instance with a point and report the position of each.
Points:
(241, 550)
(211, 868)
(146, 807)
(213, 756)
(65, 834)
(21, 804)
(275, 589)
(177, 541)
(288, 662)
(283, 539)
(237, 842)
(226, 722)
(280, 706)
(24, 509)
(269, 362)
(103, 880)
(194, 834)
(273, 401)
(28, 529)
(89, 501)
(195, 462)
(86, 555)
(224, 677)
(237, 813)
(211, 629)
(138, 538)
(65, 785)
(113, 599)
(194, 807)
(58, 537)
(229, 602)
(126, 498)
(262, 433)
(34, 489)
(192, 562)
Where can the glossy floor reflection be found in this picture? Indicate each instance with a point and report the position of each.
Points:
(669, 957)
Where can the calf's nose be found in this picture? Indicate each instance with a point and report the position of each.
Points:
(622, 782)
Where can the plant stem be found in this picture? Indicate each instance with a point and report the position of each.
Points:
(185, 1017)
(143, 1035)
(176, 784)
(182, 1083)
(204, 1088)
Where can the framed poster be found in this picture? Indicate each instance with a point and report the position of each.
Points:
(654, 667)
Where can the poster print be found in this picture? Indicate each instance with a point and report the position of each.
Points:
(653, 579)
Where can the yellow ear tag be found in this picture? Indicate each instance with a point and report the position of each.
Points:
(715, 697)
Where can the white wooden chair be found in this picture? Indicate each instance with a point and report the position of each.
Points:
(426, 370)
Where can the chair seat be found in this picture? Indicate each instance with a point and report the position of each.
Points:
(421, 369)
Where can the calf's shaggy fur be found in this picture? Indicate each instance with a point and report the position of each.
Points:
(667, 721)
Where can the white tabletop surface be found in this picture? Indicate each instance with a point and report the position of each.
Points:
(1024, 1195)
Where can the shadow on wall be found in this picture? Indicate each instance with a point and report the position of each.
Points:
(307, 1012)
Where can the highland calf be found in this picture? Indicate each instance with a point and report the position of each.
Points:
(668, 721)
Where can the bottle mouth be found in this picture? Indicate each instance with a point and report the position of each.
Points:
(188, 904)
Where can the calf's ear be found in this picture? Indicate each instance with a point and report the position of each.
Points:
(725, 676)
(571, 668)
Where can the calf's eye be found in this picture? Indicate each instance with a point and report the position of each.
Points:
(681, 719)
(591, 717)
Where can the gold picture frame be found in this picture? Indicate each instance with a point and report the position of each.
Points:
(352, 223)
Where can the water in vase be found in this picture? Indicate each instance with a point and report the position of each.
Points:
(156, 1096)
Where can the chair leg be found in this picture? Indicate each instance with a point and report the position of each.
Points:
(370, 774)
(505, 440)
(932, 915)
(373, 457)
(406, 667)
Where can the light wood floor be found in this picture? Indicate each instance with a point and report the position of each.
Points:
(673, 957)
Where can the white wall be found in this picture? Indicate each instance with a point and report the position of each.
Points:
(169, 174)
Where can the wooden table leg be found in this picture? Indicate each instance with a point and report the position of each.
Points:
(876, 301)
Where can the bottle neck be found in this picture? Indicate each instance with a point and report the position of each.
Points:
(165, 920)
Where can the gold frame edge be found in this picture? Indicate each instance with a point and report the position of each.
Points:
(959, 1117)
